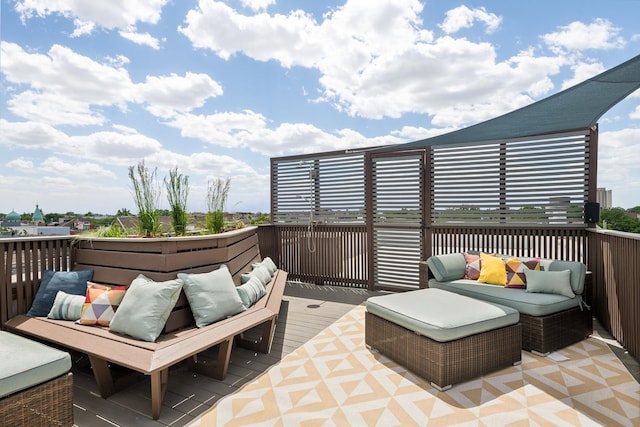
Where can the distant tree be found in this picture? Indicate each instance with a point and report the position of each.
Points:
(635, 209)
(260, 218)
(123, 212)
(617, 219)
(26, 216)
(51, 217)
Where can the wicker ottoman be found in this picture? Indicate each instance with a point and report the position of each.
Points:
(36, 387)
(444, 337)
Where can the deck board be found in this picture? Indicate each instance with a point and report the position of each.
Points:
(305, 311)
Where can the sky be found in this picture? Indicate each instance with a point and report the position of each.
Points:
(217, 88)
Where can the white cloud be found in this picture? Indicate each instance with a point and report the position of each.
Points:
(289, 39)
(463, 17)
(21, 165)
(145, 39)
(619, 156)
(63, 84)
(167, 94)
(31, 135)
(82, 28)
(112, 147)
(55, 165)
(66, 87)
(112, 14)
(375, 60)
(600, 34)
(257, 5)
(583, 71)
(250, 130)
(53, 109)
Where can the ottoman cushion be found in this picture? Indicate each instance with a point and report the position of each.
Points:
(26, 363)
(441, 315)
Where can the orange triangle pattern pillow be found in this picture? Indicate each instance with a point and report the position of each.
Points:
(101, 304)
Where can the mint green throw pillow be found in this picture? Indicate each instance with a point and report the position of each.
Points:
(66, 306)
(251, 291)
(145, 308)
(212, 296)
(549, 282)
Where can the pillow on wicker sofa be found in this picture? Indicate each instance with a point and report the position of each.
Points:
(492, 270)
(549, 282)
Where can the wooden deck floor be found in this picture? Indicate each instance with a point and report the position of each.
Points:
(306, 310)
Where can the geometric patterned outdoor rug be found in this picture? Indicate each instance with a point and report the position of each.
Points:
(334, 380)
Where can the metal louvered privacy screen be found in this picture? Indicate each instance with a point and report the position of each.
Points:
(530, 181)
(324, 189)
(376, 211)
(396, 207)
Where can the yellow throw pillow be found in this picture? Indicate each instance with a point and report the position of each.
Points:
(492, 270)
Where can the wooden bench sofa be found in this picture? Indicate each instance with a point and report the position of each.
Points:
(154, 359)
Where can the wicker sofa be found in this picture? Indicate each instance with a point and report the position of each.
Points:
(549, 321)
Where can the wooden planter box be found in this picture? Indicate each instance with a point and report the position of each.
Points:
(120, 260)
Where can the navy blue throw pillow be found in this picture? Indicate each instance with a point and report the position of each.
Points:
(71, 282)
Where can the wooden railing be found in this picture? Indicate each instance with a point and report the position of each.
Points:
(22, 262)
(327, 254)
(341, 257)
(615, 263)
(562, 242)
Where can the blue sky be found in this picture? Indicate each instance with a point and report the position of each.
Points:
(217, 88)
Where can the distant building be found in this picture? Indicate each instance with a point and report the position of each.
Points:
(36, 227)
(604, 198)
(38, 216)
(11, 220)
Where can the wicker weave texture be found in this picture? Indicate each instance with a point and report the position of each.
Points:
(545, 334)
(445, 363)
(47, 404)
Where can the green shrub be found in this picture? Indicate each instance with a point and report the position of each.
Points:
(146, 193)
(177, 193)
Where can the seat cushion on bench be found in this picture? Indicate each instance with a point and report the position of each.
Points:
(26, 363)
(441, 315)
(533, 304)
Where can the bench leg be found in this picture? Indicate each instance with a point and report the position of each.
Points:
(102, 374)
(159, 381)
(219, 370)
(263, 345)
